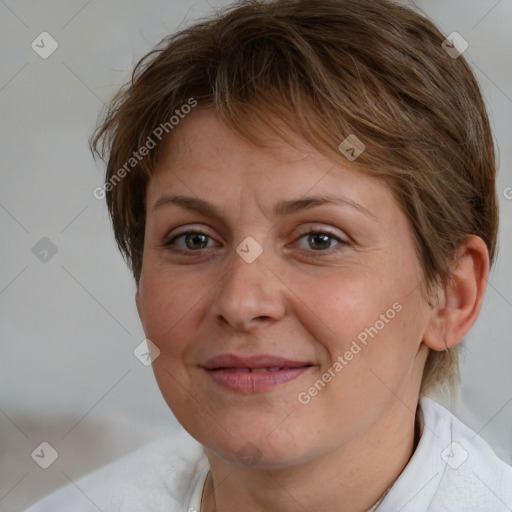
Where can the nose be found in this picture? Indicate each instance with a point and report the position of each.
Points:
(249, 294)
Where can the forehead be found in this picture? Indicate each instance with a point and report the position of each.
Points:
(205, 159)
(201, 137)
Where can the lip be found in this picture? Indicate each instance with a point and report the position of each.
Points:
(247, 374)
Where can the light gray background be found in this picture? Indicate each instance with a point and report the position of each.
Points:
(69, 326)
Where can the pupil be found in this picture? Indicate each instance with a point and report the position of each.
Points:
(194, 237)
(315, 237)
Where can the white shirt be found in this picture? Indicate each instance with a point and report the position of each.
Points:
(452, 470)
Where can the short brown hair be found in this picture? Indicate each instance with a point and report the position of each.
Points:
(329, 69)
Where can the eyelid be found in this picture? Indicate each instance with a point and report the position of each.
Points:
(185, 230)
(316, 228)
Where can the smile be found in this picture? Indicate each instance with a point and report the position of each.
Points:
(256, 374)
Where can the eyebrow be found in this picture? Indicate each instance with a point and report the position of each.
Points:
(280, 209)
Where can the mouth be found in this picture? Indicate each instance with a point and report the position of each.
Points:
(256, 374)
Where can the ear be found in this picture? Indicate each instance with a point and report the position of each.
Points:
(461, 299)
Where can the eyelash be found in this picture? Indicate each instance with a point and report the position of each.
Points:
(170, 244)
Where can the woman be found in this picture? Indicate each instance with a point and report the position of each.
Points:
(305, 194)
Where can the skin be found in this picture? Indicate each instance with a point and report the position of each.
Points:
(345, 447)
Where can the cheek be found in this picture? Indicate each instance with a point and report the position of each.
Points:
(338, 306)
(170, 304)
(370, 313)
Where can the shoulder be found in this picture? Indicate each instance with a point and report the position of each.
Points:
(158, 477)
(473, 474)
(452, 469)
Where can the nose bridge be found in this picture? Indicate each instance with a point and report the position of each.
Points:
(246, 269)
(247, 289)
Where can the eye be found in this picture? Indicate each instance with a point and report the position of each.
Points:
(192, 241)
(321, 241)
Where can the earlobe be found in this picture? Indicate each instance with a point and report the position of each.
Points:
(461, 299)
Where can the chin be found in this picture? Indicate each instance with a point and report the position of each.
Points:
(255, 456)
(250, 446)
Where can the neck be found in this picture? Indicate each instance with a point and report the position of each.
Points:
(350, 478)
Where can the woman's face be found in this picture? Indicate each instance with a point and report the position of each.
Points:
(290, 324)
